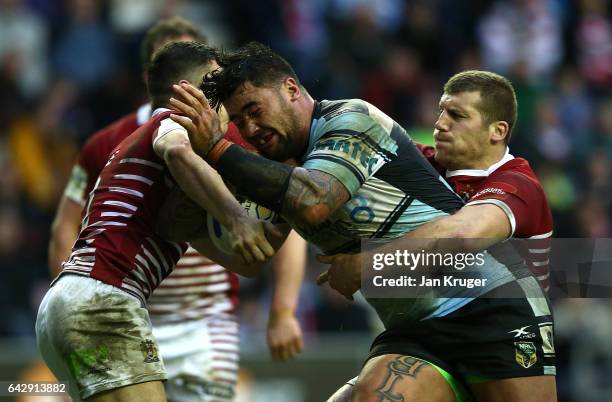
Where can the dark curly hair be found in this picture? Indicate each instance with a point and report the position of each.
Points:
(173, 62)
(253, 62)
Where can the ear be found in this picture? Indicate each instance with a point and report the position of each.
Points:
(498, 131)
(292, 88)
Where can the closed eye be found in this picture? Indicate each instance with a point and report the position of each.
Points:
(254, 113)
(239, 123)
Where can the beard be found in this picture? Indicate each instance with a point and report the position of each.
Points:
(287, 147)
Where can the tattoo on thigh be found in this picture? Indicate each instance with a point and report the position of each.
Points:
(397, 370)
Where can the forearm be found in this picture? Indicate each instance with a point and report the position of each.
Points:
(471, 229)
(288, 267)
(64, 231)
(60, 246)
(203, 185)
(301, 196)
(258, 179)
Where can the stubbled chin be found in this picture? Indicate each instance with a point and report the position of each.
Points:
(442, 158)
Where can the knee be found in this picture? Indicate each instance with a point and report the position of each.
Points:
(343, 394)
(364, 391)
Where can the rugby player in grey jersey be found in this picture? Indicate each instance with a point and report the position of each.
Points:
(360, 176)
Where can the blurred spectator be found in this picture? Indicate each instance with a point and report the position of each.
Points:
(85, 50)
(23, 47)
(552, 140)
(603, 125)
(583, 328)
(394, 87)
(43, 148)
(575, 112)
(594, 39)
(522, 31)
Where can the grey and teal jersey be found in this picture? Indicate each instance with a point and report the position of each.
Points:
(393, 190)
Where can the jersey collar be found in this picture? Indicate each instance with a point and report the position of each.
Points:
(160, 110)
(481, 173)
(143, 114)
(312, 139)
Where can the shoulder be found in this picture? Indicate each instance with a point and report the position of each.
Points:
(105, 140)
(352, 120)
(331, 109)
(516, 177)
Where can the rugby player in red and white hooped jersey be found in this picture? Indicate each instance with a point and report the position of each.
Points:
(193, 310)
(92, 329)
(512, 185)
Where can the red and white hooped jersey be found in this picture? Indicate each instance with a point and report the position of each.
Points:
(197, 287)
(512, 185)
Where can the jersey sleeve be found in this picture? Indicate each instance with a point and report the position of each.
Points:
(352, 148)
(166, 126)
(516, 195)
(77, 183)
(90, 162)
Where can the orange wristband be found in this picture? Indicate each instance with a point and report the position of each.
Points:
(217, 151)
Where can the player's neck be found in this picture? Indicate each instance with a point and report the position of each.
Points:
(490, 158)
(306, 106)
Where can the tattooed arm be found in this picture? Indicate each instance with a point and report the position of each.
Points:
(303, 196)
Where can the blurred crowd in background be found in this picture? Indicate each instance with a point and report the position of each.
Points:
(67, 68)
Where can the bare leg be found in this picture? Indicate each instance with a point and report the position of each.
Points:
(344, 393)
(393, 377)
(152, 391)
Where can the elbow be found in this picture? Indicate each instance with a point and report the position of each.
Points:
(177, 152)
(316, 214)
(469, 241)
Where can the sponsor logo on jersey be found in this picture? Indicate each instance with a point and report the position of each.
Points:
(525, 354)
(354, 150)
(149, 351)
(522, 333)
(489, 191)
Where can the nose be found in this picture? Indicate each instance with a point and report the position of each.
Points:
(441, 123)
(249, 129)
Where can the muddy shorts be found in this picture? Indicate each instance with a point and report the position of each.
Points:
(96, 337)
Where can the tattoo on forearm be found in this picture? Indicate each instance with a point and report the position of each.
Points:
(259, 179)
(398, 369)
(317, 191)
(294, 192)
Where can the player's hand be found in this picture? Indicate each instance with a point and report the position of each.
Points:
(344, 275)
(285, 338)
(248, 238)
(200, 120)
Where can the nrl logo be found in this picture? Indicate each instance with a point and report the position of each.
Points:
(525, 354)
(149, 351)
